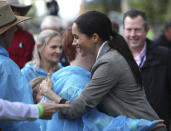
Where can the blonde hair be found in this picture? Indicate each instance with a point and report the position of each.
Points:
(43, 38)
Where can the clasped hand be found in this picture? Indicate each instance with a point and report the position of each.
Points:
(45, 86)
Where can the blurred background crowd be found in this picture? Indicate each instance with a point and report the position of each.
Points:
(158, 11)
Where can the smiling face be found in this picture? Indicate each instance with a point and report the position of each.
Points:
(85, 45)
(135, 32)
(52, 51)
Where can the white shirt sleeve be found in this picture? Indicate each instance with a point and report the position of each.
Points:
(18, 111)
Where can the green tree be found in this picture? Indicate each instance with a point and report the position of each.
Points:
(158, 11)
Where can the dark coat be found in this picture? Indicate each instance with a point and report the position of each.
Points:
(156, 74)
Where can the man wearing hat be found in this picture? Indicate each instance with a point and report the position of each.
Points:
(23, 42)
(13, 86)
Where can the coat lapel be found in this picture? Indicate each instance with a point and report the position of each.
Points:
(105, 49)
(152, 59)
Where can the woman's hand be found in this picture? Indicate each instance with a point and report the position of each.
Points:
(45, 85)
(46, 90)
(51, 107)
(160, 124)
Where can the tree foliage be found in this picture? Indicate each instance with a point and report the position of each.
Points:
(158, 11)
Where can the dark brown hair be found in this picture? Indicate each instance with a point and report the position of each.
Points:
(96, 22)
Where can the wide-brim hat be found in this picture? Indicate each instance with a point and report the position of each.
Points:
(8, 19)
(21, 8)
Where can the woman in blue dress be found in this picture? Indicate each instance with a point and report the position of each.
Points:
(69, 82)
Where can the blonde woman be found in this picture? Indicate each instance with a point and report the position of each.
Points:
(47, 52)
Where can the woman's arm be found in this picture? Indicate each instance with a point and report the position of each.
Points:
(104, 122)
(100, 84)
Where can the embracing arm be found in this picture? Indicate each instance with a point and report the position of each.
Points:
(102, 81)
(96, 119)
(100, 84)
(102, 121)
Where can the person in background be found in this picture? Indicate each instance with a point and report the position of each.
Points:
(23, 42)
(13, 85)
(115, 86)
(65, 83)
(54, 23)
(46, 56)
(115, 26)
(53, 7)
(164, 39)
(154, 63)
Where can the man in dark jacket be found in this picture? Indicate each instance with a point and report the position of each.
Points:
(154, 63)
(164, 38)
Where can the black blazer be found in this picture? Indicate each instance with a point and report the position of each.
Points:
(156, 74)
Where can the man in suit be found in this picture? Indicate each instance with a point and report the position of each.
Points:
(154, 62)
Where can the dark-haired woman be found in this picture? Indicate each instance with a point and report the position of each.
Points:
(115, 86)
